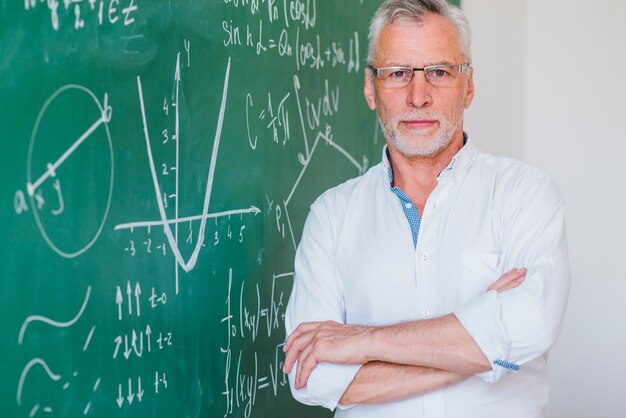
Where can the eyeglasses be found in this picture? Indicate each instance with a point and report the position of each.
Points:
(439, 75)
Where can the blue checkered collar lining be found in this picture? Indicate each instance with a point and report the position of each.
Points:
(456, 168)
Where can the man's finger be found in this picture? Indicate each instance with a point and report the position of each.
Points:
(297, 343)
(509, 280)
(307, 363)
(290, 360)
(293, 355)
(302, 328)
(304, 354)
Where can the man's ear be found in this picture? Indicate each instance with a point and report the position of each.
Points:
(469, 96)
(368, 88)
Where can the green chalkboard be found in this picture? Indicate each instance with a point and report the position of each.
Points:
(158, 162)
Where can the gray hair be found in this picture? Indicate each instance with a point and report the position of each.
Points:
(416, 10)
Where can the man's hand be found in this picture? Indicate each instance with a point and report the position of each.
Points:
(509, 280)
(315, 342)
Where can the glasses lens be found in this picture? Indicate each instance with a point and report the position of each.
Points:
(395, 76)
(441, 75)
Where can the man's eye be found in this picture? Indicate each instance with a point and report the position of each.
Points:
(398, 74)
(440, 73)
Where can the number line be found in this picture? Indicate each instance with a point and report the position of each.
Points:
(177, 133)
(149, 224)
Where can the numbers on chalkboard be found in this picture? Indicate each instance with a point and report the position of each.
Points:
(108, 11)
(149, 245)
(78, 22)
(131, 248)
(164, 340)
(268, 119)
(234, 231)
(159, 379)
(156, 300)
(279, 119)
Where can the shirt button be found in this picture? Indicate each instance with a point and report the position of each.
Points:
(425, 313)
(424, 256)
(408, 205)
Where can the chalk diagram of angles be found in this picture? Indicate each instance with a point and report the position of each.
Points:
(322, 137)
(166, 223)
(70, 169)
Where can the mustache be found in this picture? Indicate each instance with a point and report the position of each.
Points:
(419, 114)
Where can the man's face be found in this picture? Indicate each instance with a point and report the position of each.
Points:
(420, 119)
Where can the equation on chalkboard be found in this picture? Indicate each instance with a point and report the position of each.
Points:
(159, 160)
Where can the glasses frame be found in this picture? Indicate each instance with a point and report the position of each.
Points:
(460, 67)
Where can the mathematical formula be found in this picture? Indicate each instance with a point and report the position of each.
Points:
(80, 13)
(251, 322)
(167, 244)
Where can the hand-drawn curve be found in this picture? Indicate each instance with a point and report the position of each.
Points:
(30, 365)
(186, 265)
(39, 318)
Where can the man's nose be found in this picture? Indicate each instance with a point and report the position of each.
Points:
(419, 91)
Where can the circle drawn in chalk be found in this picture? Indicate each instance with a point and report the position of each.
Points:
(72, 153)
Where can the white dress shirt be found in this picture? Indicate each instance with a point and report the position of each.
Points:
(357, 264)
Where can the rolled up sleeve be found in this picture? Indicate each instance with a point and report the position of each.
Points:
(317, 296)
(516, 326)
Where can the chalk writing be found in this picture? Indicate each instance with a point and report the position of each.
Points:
(78, 13)
(221, 114)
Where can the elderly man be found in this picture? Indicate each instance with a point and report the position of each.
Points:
(401, 306)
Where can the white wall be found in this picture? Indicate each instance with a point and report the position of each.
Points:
(567, 108)
(496, 118)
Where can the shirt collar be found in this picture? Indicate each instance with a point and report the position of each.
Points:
(387, 165)
(457, 167)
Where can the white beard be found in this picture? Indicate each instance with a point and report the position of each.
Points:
(413, 148)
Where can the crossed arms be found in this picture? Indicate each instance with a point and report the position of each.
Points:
(400, 361)
(512, 323)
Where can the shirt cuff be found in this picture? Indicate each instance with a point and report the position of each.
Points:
(482, 319)
(326, 385)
